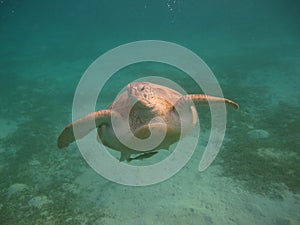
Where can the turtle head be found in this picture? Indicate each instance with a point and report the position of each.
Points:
(140, 93)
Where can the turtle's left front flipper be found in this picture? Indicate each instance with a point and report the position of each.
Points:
(83, 126)
(200, 99)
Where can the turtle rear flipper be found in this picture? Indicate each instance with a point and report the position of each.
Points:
(142, 156)
(125, 156)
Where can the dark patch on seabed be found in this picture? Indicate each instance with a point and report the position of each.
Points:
(264, 165)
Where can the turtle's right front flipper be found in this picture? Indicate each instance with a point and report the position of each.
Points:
(200, 99)
(83, 126)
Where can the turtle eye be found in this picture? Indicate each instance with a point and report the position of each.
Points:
(142, 88)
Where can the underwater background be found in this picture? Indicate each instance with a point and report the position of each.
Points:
(253, 49)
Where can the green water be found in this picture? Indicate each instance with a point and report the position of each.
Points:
(253, 49)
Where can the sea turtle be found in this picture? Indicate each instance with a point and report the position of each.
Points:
(137, 106)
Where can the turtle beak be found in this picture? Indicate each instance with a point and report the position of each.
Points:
(130, 92)
(128, 89)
